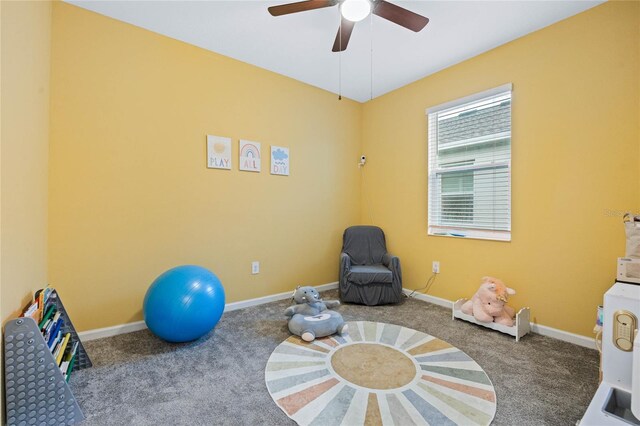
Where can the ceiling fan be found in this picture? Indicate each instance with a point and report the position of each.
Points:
(353, 11)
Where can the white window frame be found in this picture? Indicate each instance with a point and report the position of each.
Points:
(459, 231)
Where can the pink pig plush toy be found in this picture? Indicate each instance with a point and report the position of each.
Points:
(489, 304)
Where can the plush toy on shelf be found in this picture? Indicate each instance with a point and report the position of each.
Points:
(489, 304)
(310, 316)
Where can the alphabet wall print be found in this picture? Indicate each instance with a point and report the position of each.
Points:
(279, 160)
(249, 156)
(218, 152)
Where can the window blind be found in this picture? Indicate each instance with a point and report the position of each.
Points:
(469, 152)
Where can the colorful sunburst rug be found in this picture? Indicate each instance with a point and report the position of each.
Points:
(379, 374)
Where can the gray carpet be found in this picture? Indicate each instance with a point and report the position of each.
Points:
(139, 380)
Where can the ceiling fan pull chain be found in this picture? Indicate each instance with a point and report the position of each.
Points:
(340, 57)
(371, 52)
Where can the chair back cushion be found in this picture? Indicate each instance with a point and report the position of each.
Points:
(365, 245)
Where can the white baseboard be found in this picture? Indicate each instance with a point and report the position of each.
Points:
(428, 298)
(576, 339)
(543, 330)
(272, 298)
(99, 333)
(115, 330)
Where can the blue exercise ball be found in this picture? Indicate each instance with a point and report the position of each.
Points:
(184, 303)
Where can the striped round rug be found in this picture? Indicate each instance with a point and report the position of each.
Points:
(379, 374)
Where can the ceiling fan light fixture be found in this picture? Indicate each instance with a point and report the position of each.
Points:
(355, 10)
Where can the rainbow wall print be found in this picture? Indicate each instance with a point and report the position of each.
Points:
(279, 160)
(218, 152)
(249, 156)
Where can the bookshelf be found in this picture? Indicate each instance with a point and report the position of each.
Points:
(36, 390)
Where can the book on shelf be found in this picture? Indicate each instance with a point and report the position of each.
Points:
(54, 331)
(44, 311)
(59, 352)
(50, 311)
(36, 308)
(43, 298)
(70, 369)
(69, 360)
(31, 311)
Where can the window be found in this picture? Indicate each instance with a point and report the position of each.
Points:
(470, 166)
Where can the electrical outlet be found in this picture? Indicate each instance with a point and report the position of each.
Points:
(435, 268)
(255, 267)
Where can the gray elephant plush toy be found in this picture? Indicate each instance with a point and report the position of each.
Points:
(310, 317)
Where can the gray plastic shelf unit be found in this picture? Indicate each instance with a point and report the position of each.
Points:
(36, 392)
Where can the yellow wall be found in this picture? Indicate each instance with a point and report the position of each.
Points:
(25, 64)
(25, 44)
(575, 150)
(130, 194)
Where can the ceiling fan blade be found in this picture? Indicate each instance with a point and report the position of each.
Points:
(342, 40)
(401, 16)
(301, 6)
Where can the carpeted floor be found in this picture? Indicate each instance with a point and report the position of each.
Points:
(139, 380)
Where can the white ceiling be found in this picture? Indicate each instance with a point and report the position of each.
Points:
(381, 56)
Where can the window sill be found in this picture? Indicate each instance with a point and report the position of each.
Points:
(469, 234)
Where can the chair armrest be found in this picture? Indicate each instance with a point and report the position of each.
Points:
(393, 263)
(390, 261)
(345, 261)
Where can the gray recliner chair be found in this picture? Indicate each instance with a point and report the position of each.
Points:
(368, 274)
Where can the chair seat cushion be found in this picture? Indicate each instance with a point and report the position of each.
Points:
(367, 274)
